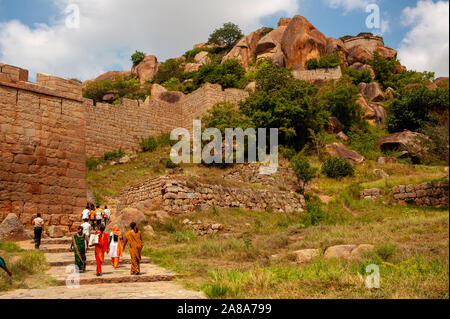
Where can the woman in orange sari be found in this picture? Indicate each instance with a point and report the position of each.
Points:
(101, 248)
(115, 247)
(134, 237)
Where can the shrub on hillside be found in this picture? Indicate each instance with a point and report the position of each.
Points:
(170, 69)
(415, 108)
(337, 167)
(229, 74)
(357, 76)
(149, 144)
(110, 156)
(120, 87)
(286, 103)
(225, 115)
(364, 138)
(302, 168)
(227, 35)
(329, 60)
(190, 55)
(340, 100)
(137, 57)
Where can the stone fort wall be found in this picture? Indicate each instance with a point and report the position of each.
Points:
(47, 129)
(42, 147)
(318, 74)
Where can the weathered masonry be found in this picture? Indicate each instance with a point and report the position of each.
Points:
(47, 129)
(42, 147)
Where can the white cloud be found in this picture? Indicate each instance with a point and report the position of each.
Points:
(349, 5)
(112, 29)
(426, 46)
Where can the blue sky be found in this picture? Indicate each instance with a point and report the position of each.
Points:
(33, 33)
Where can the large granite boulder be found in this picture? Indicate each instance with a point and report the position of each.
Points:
(374, 113)
(110, 75)
(410, 144)
(11, 229)
(269, 47)
(302, 41)
(125, 217)
(244, 50)
(147, 69)
(334, 125)
(336, 45)
(363, 67)
(386, 52)
(340, 150)
(373, 92)
(202, 58)
(160, 93)
(360, 54)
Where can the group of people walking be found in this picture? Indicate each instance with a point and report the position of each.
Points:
(94, 216)
(92, 234)
(112, 244)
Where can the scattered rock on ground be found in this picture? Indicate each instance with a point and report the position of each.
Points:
(11, 229)
(348, 252)
(380, 173)
(341, 136)
(56, 232)
(306, 255)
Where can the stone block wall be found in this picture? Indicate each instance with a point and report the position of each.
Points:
(178, 196)
(42, 148)
(196, 104)
(109, 127)
(425, 194)
(319, 74)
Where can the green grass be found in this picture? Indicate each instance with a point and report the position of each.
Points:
(28, 269)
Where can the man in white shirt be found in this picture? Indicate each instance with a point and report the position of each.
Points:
(106, 215)
(85, 214)
(86, 228)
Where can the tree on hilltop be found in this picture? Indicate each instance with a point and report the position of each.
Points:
(137, 57)
(227, 35)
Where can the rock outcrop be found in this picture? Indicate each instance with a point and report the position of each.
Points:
(372, 91)
(302, 41)
(374, 113)
(269, 47)
(349, 252)
(244, 50)
(410, 144)
(362, 67)
(340, 150)
(160, 93)
(147, 69)
(336, 45)
(11, 229)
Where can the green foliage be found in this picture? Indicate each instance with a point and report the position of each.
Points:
(92, 163)
(229, 74)
(190, 55)
(168, 163)
(385, 251)
(110, 156)
(384, 69)
(225, 115)
(285, 103)
(414, 109)
(340, 102)
(170, 69)
(337, 167)
(227, 35)
(137, 57)
(437, 143)
(357, 76)
(329, 60)
(121, 88)
(9, 247)
(302, 168)
(315, 214)
(364, 138)
(164, 140)
(149, 144)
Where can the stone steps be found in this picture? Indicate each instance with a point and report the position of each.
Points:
(149, 273)
(66, 259)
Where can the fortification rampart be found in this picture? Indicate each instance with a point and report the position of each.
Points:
(42, 147)
(47, 129)
(319, 74)
(367, 40)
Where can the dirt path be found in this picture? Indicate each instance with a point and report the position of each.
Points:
(153, 283)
